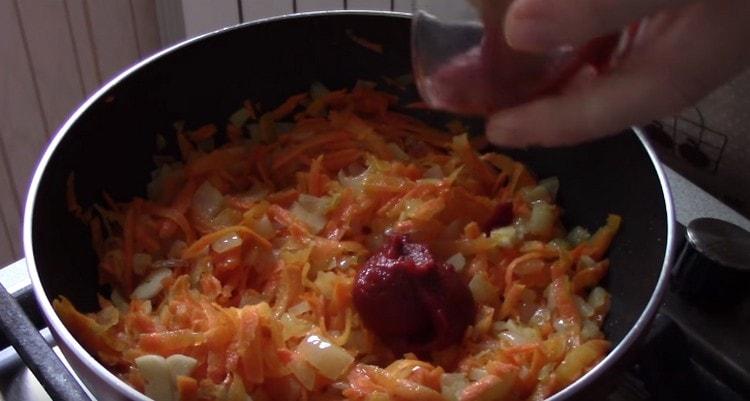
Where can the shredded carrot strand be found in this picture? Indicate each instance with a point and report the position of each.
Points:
(175, 216)
(313, 142)
(197, 247)
(245, 248)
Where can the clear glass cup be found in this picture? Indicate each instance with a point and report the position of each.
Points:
(463, 64)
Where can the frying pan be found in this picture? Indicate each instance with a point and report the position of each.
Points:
(108, 144)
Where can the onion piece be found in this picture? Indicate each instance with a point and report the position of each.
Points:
(293, 327)
(505, 237)
(517, 334)
(543, 217)
(598, 297)
(318, 90)
(482, 289)
(451, 385)
(329, 359)
(397, 152)
(577, 235)
(458, 261)
(156, 374)
(552, 185)
(206, 202)
(434, 172)
(263, 227)
(326, 281)
(227, 242)
(151, 285)
(312, 211)
(181, 365)
(303, 372)
(299, 308)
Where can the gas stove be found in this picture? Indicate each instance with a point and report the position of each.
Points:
(696, 349)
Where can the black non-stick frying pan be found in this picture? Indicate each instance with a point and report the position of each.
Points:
(109, 142)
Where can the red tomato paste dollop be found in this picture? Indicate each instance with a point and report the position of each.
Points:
(410, 300)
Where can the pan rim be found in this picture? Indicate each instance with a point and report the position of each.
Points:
(643, 322)
(62, 334)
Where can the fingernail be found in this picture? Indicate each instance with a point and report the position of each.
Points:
(529, 26)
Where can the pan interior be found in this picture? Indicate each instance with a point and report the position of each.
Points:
(110, 147)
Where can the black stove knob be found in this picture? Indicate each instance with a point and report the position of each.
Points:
(714, 267)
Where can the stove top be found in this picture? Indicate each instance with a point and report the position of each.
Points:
(692, 351)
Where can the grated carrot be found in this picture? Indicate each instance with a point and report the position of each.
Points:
(261, 241)
(199, 246)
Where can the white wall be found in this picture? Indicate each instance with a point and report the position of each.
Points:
(53, 54)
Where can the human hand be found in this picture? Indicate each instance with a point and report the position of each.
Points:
(684, 50)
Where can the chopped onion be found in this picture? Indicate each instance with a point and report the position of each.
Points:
(318, 90)
(325, 282)
(293, 327)
(577, 235)
(303, 372)
(536, 194)
(364, 84)
(531, 266)
(589, 330)
(545, 371)
(329, 359)
(169, 264)
(458, 261)
(118, 300)
(200, 266)
(451, 384)
(345, 262)
(562, 325)
(552, 185)
(239, 117)
(207, 201)
(227, 242)
(299, 308)
(519, 335)
(314, 222)
(157, 377)
(151, 285)
(505, 237)
(264, 227)
(155, 188)
(585, 262)
(227, 217)
(434, 172)
(354, 181)
(477, 374)
(181, 365)
(540, 316)
(312, 211)
(542, 218)
(252, 297)
(560, 244)
(315, 204)
(598, 297)
(482, 290)
(499, 326)
(398, 153)
(584, 308)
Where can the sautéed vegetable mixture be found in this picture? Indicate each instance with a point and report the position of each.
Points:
(333, 248)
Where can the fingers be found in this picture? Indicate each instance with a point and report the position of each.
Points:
(543, 25)
(684, 55)
(603, 107)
